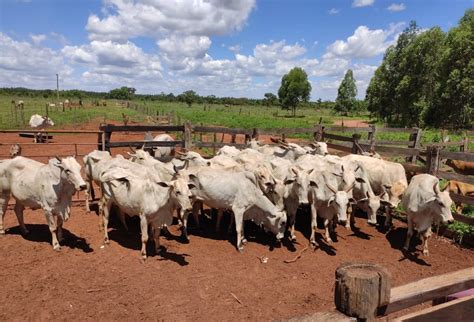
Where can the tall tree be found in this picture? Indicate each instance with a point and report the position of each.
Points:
(295, 88)
(453, 103)
(190, 97)
(270, 99)
(346, 94)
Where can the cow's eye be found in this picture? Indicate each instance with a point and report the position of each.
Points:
(67, 171)
(178, 192)
(441, 204)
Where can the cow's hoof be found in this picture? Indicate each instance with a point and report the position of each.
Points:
(106, 241)
(240, 249)
(143, 257)
(57, 247)
(244, 241)
(329, 241)
(2, 232)
(293, 238)
(348, 227)
(426, 253)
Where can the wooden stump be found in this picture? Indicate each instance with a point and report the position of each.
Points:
(361, 289)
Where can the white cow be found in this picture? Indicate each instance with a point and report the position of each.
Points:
(384, 176)
(93, 164)
(15, 150)
(39, 122)
(37, 185)
(146, 196)
(425, 204)
(239, 192)
(161, 151)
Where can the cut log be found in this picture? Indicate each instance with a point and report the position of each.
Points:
(361, 288)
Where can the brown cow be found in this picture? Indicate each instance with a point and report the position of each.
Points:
(460, 188)
(462, 167)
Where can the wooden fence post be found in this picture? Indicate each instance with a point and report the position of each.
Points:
(255, 134)
(432, 159)
(188, 131)
(415, 138)
(214, 146)
(356, 149)
(361, 289)
(371, 138)
(465, 145)
(233, 137)
(318, 134)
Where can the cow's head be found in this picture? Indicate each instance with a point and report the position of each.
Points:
(320, 148)
(441, 203)
(301, 183)
(47, 121)
(340, 200)
(180, 192)
(71, 171)
(15, 150)
(394, 193)
(371, 204)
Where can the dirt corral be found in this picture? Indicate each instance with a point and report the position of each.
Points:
(207, 279)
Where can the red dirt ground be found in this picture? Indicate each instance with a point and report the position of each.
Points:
(188, 281)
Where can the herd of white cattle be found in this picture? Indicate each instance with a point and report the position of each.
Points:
(262, 183)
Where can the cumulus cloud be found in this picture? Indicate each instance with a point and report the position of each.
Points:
(396, 7)
(362, 3)
(37, 39)
(125, 19)
(235, 49)
(27, 64)
(333, 11)
(364, 43)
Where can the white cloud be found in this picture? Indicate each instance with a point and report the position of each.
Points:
(29, 65)
(61, 39)
(396, 7)
(37, 39)
(333, 11)
(362, 3)
(364, 43)
(125, 19)
(235, 49)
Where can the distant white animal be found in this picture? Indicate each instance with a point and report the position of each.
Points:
(15, 150)
(425, 204)
(37, 185)
(161, 151)
(39, 122)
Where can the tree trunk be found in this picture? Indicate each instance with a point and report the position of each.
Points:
(361, 289)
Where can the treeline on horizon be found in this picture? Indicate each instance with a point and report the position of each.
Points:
(128, 93)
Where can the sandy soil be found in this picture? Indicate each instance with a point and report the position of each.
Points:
(200, 280)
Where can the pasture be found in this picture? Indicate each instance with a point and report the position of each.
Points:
(206, 278)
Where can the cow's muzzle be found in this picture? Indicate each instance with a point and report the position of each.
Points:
(342, 222)
(82, 187)
(450, 221)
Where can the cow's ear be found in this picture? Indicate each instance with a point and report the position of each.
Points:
(330, 201)
(294, 170)
(191, 186)
(164, 184)
(360, 180)
(289, 181)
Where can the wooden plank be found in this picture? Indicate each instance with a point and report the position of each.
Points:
(460, 310)
(445, 144)
(340, 147)
(149, 144)
(394, 129)
(463, 156)
(464, 219)
(141, 128)
(426, 289)
(337, 137)
(462, 199)
(395, 150)
(216, 129)
(389, 142)
(455, 176)
(348, 129)
(286, 131)
(413, 168)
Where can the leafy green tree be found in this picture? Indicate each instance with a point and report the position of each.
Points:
(346, 94)
(190, 97)
(270, 99)
(122, 93)
(453, 103)
(295, 88)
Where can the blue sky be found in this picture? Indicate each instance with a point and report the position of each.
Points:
(237, 48)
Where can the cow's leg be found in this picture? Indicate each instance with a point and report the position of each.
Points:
(239, 223)
(51, 220)
(156, 238)
(409, 233)
(59, 225)
(220, 212)
(199, 208)
(314, 224)
(350, 217)
(19, 214)
(388, 217)
(87, 194)
(425, 236)
(3, 208)
(102, 203)
(327, 225)
(231, 223)
(291, 211)
(144, 231)
(104, 218)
